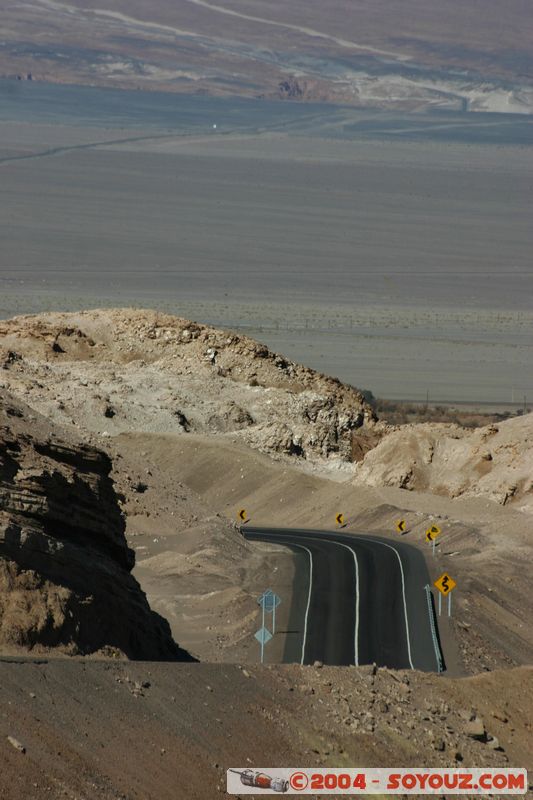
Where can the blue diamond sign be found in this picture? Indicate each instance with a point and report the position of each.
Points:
(269, 600)
(263, 636)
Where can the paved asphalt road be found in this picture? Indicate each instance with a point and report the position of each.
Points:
(357, 599)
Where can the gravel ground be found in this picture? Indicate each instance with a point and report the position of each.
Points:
(141, 731)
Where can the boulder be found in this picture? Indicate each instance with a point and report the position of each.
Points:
(475, 729)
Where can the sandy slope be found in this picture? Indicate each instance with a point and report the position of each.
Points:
(158, 373)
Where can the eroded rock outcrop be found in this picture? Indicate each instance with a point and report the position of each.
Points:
(495, 461)
(65, 567)
(116, 370)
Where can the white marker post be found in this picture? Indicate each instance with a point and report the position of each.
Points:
(268, 602)
(262, 637)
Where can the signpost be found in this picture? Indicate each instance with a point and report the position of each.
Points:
(268, 601)
(445, 584)
(263, 636)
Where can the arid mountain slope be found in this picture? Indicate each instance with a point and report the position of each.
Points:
(182, 411)
(104, 374)
(149, 389)
(109, 372)
(65, 582)
(438, 53)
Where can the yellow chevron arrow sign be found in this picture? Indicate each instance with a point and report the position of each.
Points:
(401, 526)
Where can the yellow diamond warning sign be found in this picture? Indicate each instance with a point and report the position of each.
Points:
(445, 584)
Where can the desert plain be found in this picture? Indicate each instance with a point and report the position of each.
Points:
(391, 251)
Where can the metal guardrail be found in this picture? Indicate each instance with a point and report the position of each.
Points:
(433, 627)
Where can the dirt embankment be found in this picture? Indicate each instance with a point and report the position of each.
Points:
(115, 371)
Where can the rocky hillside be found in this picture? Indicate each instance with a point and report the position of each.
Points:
(109, 372)
(148, 387)
(495, 461)
(113, 371)
(65, 567)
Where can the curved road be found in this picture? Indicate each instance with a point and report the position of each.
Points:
(356, 599)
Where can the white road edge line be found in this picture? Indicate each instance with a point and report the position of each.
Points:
(376, 541)
(356, 632)
(356, 563)
(356, 635)
(304, 640)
